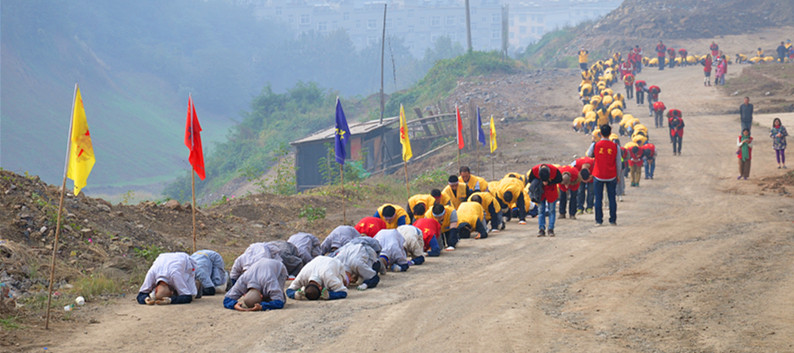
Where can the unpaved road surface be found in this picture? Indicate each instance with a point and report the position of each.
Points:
(699, 262)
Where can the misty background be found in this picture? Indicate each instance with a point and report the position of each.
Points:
(137, 61)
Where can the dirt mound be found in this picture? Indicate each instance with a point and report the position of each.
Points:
(770, 85)
(677, 19)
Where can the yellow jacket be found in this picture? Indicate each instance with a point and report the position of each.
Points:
(399, 212)
(456, 197)
(444, 220)
(487, 201)
(426, 199)
(513, 185)
(583, 56)
(471, 213)
(475, 183)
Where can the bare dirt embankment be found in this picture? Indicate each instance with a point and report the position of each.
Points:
(699, 262)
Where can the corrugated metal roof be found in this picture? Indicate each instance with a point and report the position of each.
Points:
(355, 129)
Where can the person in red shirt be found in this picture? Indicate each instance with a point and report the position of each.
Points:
(640, 88)
(707, 70)
(430, 232)
(715, 49)
(548, 176)
(676, 129)
(660, 50)
(585, 196)
(653, 97)
(628, 82)
(671, 55)
(606, 171)
(638, 55)
(569, 189)
(658, 111)
(635, 163)
(683, 54)
(370, 226)
(649, 159)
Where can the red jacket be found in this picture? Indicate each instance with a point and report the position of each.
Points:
(671, 53)
(580, 162)
(370, 226)
(574, 175)
(605, 166)
(639, 85)
(654, 91)
(660, 49)
(649, 150)
(550, 193)
(430, 228)
(659, 106)
(676, 129)
(635, 157)
(706, 65)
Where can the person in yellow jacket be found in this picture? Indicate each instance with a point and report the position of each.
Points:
(473, 182)
(578, 124)
(603, 117)
(615, 115)
(509, 194)
(419, 204)
(583, 59)
(490, 207)
(447, 217)
(589, 122)
(470, 218)
(455, 192)
(519, 176)
(624, 124)
(393, 215)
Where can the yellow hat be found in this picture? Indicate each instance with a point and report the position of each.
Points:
(613, 136)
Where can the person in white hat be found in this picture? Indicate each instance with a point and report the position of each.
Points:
(170, 280)
(260, 288)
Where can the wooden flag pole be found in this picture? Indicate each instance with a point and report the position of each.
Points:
(493, 169)
(193, 186)
(60, 208)
(344, 210)
(458, 158)
(405, 167)
(478, 157)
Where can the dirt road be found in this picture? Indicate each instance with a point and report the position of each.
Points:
(699, 262)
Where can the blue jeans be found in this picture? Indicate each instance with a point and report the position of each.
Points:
(551, 207)
(599, 200)
(585, 195)
(650, 166)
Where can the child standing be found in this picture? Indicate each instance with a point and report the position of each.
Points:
(778, 135)
(744, 153)
(707, 70)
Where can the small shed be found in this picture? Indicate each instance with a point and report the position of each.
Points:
(380, 143)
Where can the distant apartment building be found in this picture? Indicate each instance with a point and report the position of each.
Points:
(420, 22)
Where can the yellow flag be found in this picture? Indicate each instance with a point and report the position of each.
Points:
(493, 136)
(81, 152)
(407, 154)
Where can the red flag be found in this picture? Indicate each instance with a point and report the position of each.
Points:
(193, 139)
(460, 129)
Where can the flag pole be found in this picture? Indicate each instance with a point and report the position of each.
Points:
(60, 208)
(493, 169)
(193, 187)
(344, 210)
(407, 188)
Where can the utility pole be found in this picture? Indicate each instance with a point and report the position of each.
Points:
(382, 53)
(505, 29)
(468, 27)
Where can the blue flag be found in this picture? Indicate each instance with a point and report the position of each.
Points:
(342, 134)
(480, 133)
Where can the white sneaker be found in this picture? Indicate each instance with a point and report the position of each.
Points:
(450, 248)
(620, 198)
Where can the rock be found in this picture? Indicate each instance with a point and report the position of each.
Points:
(173, 204)
(119, 213)
(86, 231)
(104, 207)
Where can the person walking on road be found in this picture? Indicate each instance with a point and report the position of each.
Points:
(778, 135)
(660, 51)
(606, 171)
(746, 114)
(744, 153)
(676, 130)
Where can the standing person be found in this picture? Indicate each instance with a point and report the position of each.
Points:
(606, 171)
(640, 90)
(671, 55)
(677, 130)
(653, 97)
(746, 114)
(548, 176)
(658, 111)
(781, 52)
(583, 59)
(649, 159)
(569, 190)
(744, 153)
(634, 161)
(660, 50)
(778, 135)
(707, 70)
(715, 49)
(628, 82)
(586, 196)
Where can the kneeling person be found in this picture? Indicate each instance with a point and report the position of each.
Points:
(259, 288)
(470, 218)
(322, 278)
(170, 280)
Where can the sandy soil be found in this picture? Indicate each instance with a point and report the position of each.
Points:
(699, 262)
